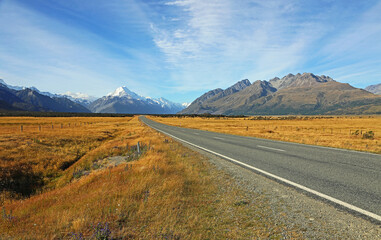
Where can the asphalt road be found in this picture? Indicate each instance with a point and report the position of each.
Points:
(348, 176)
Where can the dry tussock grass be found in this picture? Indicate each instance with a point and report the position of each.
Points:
(46, 147)
(169, 193)
(339, 132)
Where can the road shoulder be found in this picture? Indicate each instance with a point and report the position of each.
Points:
(314, 218)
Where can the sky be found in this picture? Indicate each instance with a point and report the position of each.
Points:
(179, 49)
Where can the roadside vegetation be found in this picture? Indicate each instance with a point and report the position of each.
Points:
(362, 133)
(115, 178)
(35, 152)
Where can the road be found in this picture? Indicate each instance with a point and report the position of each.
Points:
(346, 178)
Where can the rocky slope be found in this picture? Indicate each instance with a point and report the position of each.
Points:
(31, 100)
(376, 89)
(293, 94)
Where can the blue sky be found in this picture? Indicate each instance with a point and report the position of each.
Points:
(178, 49)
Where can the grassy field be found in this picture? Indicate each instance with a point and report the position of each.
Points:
(35, 151)
(165, 192)
(362, 133)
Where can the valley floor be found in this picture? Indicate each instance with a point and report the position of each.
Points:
(157, 190)
(361, 133)
(165, 192)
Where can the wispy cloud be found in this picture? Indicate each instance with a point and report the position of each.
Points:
(218, 40)
(181, 48)
(55, 56)
(364, 35)
(257, 39)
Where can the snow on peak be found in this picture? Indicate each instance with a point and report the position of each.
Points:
(78, 95)
(10, 86)
(185, 105)
(124, 92)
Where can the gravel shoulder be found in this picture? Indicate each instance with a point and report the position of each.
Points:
(313, 218)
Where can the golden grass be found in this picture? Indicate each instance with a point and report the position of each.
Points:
(340, 132)
(169, 193)
(34, 151)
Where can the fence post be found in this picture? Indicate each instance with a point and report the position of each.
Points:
(138, 148)
(21, 128)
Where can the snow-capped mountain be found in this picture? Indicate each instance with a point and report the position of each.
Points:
(166, 103)
(30, 99)
(123, 100)
(186, 104)
(124, 92)
(17, 88)
(81, 98)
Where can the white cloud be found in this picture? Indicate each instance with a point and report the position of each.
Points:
(214, 43)
(53, 56)
(174, 47)
(216, 39)
(201, 32)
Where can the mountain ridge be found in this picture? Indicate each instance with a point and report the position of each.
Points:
(121, 100)
(29, 99)
(292, 94)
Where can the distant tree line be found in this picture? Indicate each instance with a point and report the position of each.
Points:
(60, 114)
(204, 115)
(68, 114)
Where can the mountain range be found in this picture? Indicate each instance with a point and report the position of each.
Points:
(122, 100)
(293, 94)
(28, 99)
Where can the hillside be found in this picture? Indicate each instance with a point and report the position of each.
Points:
(293, 94)
(325, 98)
(376, 89)
(31, 100)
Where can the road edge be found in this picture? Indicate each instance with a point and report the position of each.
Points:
(336, 202)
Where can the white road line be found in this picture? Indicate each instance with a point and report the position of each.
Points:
(196, 133)
(276, 149)
(309, 190)
(218, 138)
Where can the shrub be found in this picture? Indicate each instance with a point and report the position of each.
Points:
(368, 135)
(77, 236)
(102, 231)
